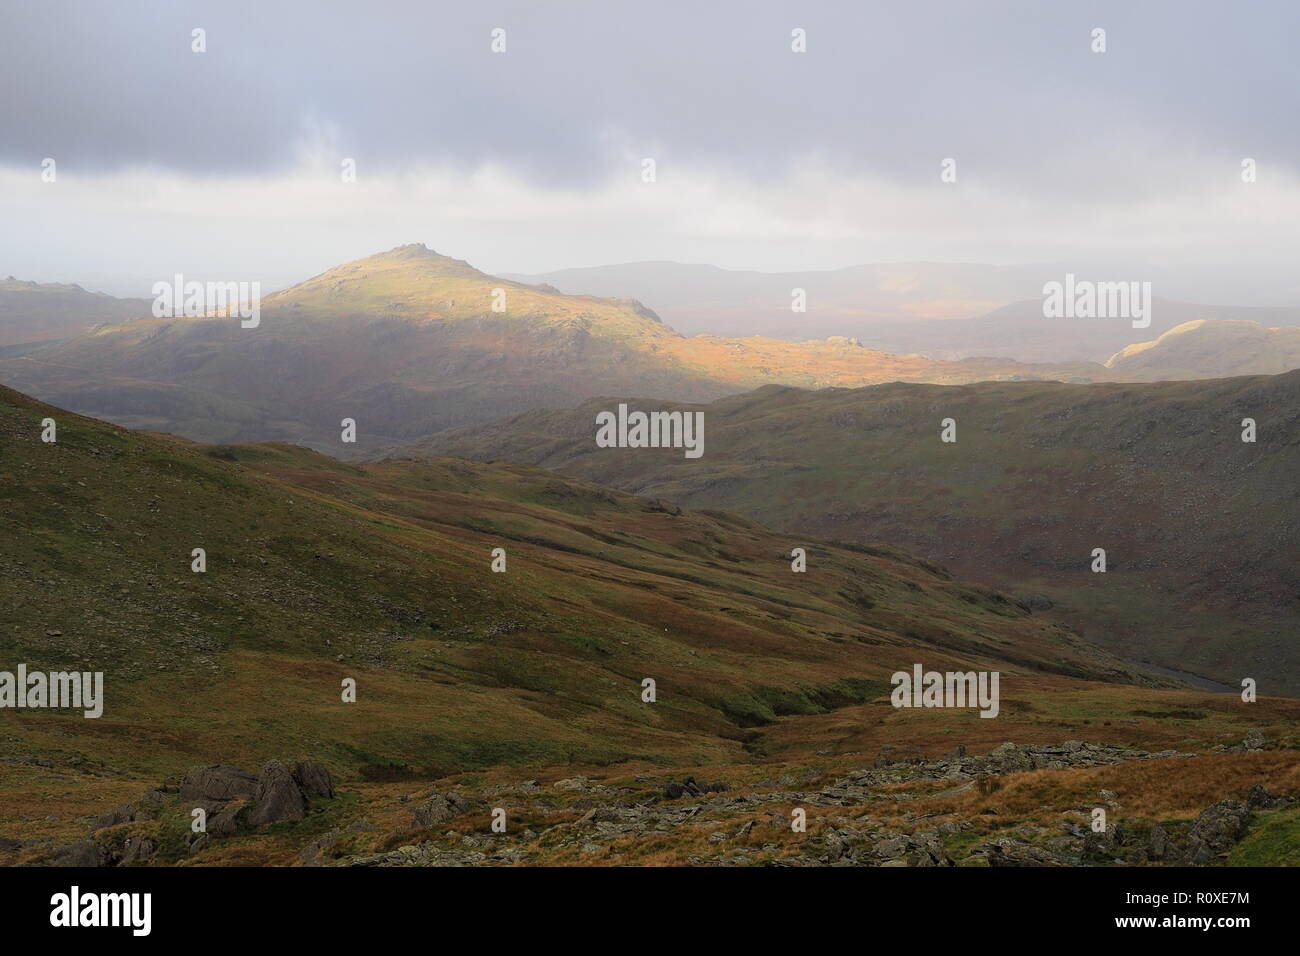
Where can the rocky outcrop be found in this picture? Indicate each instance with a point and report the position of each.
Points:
(85, 853)
(126, 813)
(438, 808)
(313, 780)
(690, 788)
(1216, 830)
(277, 798)
(217, 782)
(233, 800)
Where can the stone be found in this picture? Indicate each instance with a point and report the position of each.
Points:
(1157, 843)
(138, 849)
(1218, 828)
(217, 782)
(123, 814)
(84, 853)
(313, 780)
(438, 809)
(277, 798)
(225, 823)
(1260, 799)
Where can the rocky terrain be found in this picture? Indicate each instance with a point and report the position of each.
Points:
(904, 810)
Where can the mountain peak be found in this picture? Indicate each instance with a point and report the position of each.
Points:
(418, 254)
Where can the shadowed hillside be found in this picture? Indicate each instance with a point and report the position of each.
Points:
(35, 312)
(318, 571)
(1199, 527)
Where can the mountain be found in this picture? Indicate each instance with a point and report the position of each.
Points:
(469, 681)
(945, 312)
(705, 299)
(1208, 347)
(1021, 332)
(407, 343)
(1199, 527)
(37, 312)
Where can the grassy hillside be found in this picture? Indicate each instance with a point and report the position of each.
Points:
(1199, 528)
(319, 571)
(1209, 346)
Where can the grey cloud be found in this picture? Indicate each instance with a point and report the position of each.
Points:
(1009, 88)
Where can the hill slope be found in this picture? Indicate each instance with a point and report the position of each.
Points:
(1211, 346)
(317, 570)
(469, 680)
(1199, 527)
(34, 312)
(407, 343)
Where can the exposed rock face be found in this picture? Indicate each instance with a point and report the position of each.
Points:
(1218, 828)
(86, 853)
(439, 808)
(123, 814)
(689, 787)
(225, 823)
(217, 782)
(1261, 799)
(138, 849)
(313, 780)
(1157, 843)
(1008, 851)
(277, 797)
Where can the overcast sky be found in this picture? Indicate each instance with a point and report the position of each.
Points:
(226, 164)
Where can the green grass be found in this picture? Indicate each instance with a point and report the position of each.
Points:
(1273, 840)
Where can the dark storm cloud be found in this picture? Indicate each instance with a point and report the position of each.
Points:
(1010, 88)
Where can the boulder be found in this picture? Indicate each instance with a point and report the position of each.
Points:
(439, 808)
(225, 823)
(85, 853)
(313, 780)
(1157, 843)
(123, 814)
(1261, 799)
(276, 798)
(217, 782)
(1218, 827)
(138, 849)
